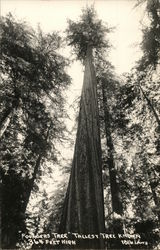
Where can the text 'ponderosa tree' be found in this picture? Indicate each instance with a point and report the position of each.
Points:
(84, 205)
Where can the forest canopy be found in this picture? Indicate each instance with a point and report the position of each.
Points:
(110, 185)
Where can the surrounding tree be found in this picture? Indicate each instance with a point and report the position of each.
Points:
(32, 110)
(107, 85)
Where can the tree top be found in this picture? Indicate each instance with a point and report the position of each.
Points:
(88, 31)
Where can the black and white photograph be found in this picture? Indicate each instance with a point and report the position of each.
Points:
(80, 124)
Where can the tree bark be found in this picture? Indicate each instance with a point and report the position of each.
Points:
(115, 193)
(116, 202)
(83, 210)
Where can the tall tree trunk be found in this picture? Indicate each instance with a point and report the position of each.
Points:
(115, 194)
(83, 210)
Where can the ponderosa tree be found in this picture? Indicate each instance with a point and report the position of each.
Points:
(83, 210)
(32, 110)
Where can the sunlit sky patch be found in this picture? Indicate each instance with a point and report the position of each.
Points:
(52, 15)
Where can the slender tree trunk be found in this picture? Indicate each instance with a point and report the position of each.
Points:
(30, 183)
(5, 121)
(83, 210)
(155, 198)
(153, 184)
(151, 106)
(116, 201)
(115, 193)
(9, 112)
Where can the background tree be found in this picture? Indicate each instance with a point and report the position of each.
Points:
(32, 110)
(107, 85)
(137, 101)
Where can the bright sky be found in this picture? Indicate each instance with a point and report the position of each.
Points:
(52, 15)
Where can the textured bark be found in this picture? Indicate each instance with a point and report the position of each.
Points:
(115, 194)
(83, 210)
(116, 201)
